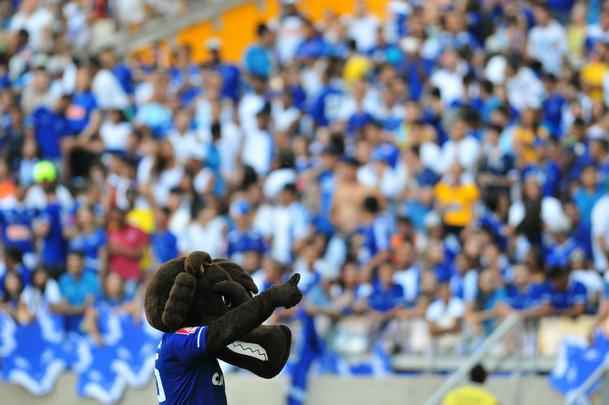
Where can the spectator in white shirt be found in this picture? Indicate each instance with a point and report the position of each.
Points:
(228, 137)
(210, 106)
(37, 20)
(449, 77)
(43, 294)
(183, 139)
(285, 113)
(115, 131)
(106, 87)
(363, 27)
(207, 232)
(252, 103)
(258, 146)
(289, 33)
(290, 225)
(445, 319)
(524, 89)
(547, 40)
(379, 173)
(461, 148)
(282, 176)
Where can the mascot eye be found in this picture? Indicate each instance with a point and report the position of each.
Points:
(226, 301)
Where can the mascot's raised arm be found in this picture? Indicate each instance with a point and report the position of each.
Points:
(207, 311)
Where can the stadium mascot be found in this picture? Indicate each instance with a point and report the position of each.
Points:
(208, 311)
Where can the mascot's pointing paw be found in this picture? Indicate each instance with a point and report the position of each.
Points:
(207, 311)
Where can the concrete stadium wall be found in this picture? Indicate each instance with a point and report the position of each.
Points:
(246, 390)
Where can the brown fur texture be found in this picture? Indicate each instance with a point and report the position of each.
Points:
(180, 293)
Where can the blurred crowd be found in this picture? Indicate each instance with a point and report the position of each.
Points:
(428, 174)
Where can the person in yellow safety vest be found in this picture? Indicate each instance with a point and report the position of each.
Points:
(473, 393)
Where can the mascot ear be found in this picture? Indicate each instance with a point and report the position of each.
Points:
(196, 262)
(179, 302)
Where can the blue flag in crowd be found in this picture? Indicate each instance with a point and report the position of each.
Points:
(135, 351)
(576, 362)
(125, 358)
(97, 377)
(33, 355)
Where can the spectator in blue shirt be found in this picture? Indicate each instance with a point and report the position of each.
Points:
(17, 223)
(13, 262)
(386, 296)
(326, 103)
(585, 197)
(488, 305)
(523, 295)
(164, 242)
(113, 297)
(83, 114)
(78, 289)
(553, 106)
(245, 245)
(566, 297)
(89, 238)
(50, 228)
(231, 75)
(374, 233)
(259, 58)
(51, 126)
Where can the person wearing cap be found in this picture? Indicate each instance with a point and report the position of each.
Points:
(47, 185)
(245, 245)
(49, 227)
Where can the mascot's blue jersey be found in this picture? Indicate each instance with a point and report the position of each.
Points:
(185, 374)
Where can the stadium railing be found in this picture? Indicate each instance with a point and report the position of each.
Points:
(486, 347)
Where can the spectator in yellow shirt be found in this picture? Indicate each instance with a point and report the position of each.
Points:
(456, 197)
(473, 393)
(593, 73)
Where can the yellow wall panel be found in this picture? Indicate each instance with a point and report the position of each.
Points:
(235, 28)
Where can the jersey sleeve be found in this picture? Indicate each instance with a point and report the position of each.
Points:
(190, 343)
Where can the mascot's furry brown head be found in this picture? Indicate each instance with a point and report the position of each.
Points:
(200, 291)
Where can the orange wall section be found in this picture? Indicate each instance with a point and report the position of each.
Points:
(236, 27)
